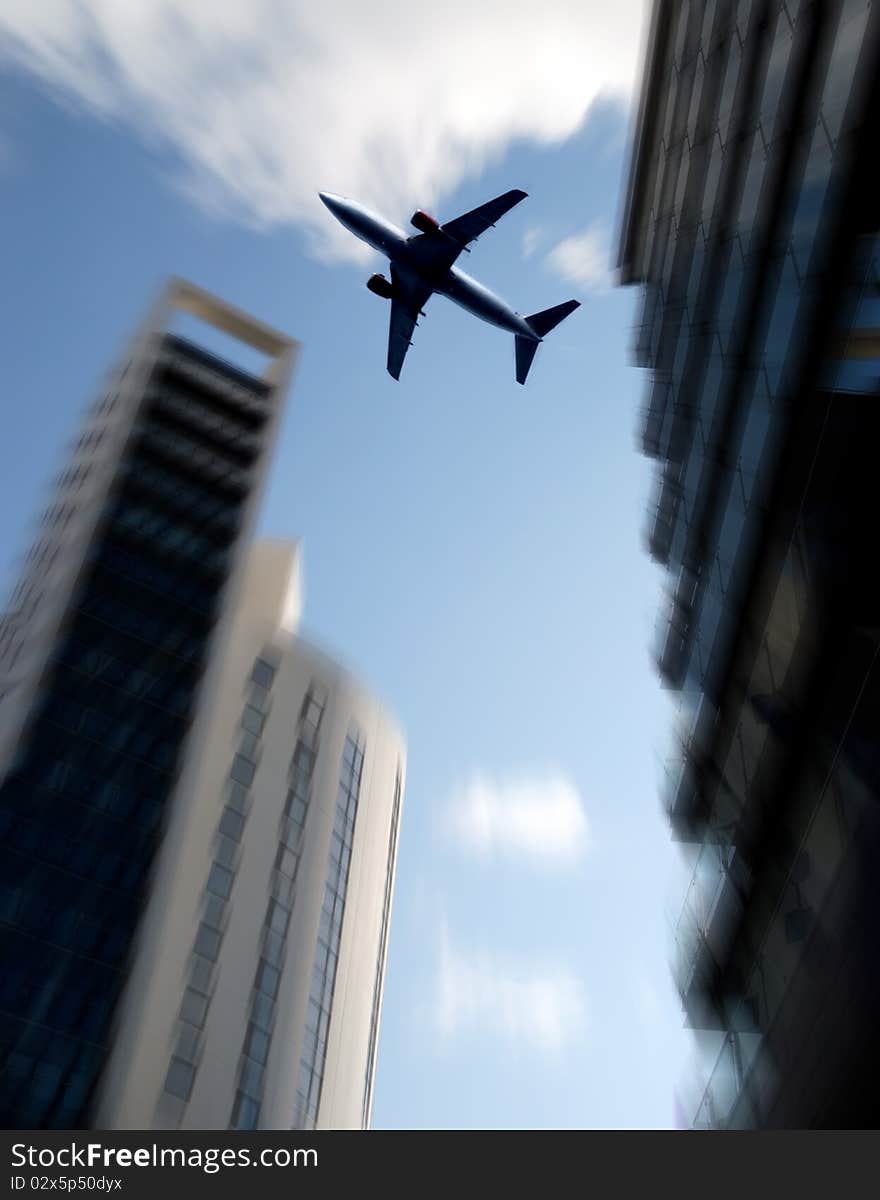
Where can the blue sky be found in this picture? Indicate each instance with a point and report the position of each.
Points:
(472, 548)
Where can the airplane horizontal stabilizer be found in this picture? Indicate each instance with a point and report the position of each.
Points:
(543, 322)
(525, 352)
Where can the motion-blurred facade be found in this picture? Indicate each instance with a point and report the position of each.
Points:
(752, 224)
(199, 812)
(255, 995)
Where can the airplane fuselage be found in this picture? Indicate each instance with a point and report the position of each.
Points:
(393, 242)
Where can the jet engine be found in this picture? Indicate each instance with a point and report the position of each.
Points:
(424, 223)
(380, 286)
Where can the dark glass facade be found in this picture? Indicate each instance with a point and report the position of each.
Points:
(752, 225)
(81, 812)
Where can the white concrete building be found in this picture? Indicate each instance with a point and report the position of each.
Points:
(255, 997)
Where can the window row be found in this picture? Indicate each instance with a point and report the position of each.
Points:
(184, 1062)
(217, 380)
(183, 404)
(326, 959)
(255, 1050)
(193, 458)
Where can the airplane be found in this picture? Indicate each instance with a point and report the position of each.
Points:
(424, 264)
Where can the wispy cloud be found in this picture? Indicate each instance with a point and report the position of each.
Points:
(541, 1008)
(266, 102)
(584, 259)
(536, 818)
(531, 240)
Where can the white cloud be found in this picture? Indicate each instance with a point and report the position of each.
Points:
(267, 102)
(531, 240)
(584, 259)
(534, 1007)
(536, 818)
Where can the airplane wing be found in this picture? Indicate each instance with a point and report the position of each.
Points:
(410, 294)
(439, 250)
(468, 227)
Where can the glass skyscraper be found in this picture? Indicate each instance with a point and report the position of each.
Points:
(102, 655)
(751, 223)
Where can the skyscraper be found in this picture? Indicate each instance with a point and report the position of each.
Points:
(752, 221)
(256, 990)
(120, 664)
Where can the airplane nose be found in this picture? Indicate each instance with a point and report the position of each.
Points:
(330, 200)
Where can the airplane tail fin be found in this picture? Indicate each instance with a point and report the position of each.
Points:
(525, 352)
(541, 323)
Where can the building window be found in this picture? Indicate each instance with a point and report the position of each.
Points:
(179, 1079)
(256, 1044)
(263, 673)
(207, 942)
(237, 797)
(252, 719)
(246, 1112)
(232, 824)
(243, 770)
(273, 948)
(277, 917)
(220, 881)
(287, 862)
(188, 1042)
(226, 853)
(201, 973)
(215, 912)
(268, 978)
(248, 745)
(194, 1008)
(262, 1011)
(258, 697)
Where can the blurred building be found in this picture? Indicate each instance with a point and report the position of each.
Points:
(255, 994)
(163, 736)
(751, 222)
